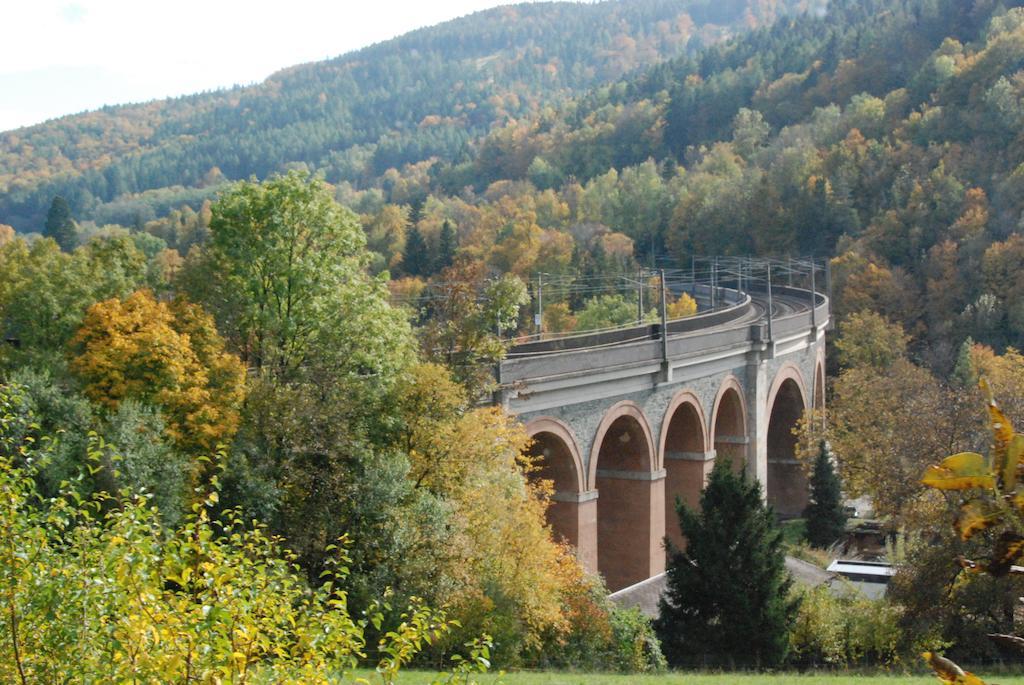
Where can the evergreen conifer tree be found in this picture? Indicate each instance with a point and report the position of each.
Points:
(59, 224)
(825, 517)
(964, 374)
(447, 244)
(727, 602)
(416, 260)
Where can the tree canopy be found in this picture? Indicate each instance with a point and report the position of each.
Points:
(727, 603)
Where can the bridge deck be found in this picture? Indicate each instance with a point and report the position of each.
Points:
(743, 321)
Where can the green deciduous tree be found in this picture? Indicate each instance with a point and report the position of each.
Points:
(825, 517)
(605, 311)
(285, 277)
(727, 602)
(45, 292)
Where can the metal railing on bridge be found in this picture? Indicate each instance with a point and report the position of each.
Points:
(719, 284)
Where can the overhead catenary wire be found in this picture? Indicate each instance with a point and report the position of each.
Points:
(709, 277)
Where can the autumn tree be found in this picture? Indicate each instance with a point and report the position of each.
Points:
(875, 426)
(986, 493)
(508, 577)
(387, 233)
(467, 318)
(869, 341)
(172, 358)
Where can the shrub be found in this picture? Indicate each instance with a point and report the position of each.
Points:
(215, 599)
(598, 635)
(636, 646)
(844, 630)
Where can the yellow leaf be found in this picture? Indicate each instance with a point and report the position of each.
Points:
(1014, 451)
(1001, 425)
(969, 678)
(946, 671)
(973, 516)
(960, 472)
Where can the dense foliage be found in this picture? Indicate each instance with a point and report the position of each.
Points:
(483, 163)
(269, 367)
(428, 94)
(727, 603)
(839, 627)
(213, 599)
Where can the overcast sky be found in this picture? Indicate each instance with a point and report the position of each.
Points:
(59, 57)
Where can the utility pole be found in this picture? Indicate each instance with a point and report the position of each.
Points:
(538, 318)
(664, 319)
(770, 335)
(814, 314)
(639, 296)
(714, 280)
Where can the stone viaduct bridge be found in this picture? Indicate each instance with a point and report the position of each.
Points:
(626, 421)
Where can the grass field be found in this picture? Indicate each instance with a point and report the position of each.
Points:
(552, 678)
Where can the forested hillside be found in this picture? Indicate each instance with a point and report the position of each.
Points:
(886, 133)
(313, 352)
(427, 94)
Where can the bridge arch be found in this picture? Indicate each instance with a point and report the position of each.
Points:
(571, 512)
(685, 457)
(729, 424)
(787, 483)
(631, 497)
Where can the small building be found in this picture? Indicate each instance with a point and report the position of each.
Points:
(870, 578)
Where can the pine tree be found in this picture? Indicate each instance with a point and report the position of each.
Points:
(416, 260)
(59, 224)
(825, 517)
(447, 244)
(964, 374)
(727, 602)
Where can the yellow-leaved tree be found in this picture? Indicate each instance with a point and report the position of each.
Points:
(166, 355)
(988, 492)
(508, 578)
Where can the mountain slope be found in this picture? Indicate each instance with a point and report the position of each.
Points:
(425, 94)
